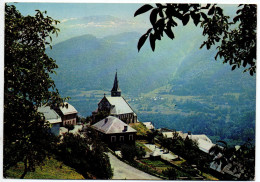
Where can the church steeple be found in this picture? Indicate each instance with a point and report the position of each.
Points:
(116, 92)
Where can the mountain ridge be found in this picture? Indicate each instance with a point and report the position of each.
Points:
(205, 91)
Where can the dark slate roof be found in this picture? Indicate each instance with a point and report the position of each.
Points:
(111, 125)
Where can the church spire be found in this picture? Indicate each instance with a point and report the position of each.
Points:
(116, 92)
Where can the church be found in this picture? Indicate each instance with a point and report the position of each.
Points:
(115, 105)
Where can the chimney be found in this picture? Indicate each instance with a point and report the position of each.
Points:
(106, 119)
(125, 128)
(189, 132)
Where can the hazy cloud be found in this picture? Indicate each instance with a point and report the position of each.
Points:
(67, 19)
(107, 24)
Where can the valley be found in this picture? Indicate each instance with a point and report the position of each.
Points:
(184, 90)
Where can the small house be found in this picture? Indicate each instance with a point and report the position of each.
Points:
(52, 117)
(113, 131)
(204, 143)
(149, 125)
(68, 114)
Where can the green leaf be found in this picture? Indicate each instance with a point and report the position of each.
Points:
(152, 41)
(251, 72)
(208, 5)
(159, 24)
(169, 32)
(185, 19)
(244, 63)
(234, 67)
(196, 18)
(158, 34)
(238, 11)
(174, 23)
(204, 16)
(208, 46)
(219, 10)
(212, 10)
(148, 31)
(184, 7)
(153, 16)
(143, 9)
(141, 41)
(236, 19)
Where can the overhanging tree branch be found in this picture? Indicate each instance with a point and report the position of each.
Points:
(236, 46)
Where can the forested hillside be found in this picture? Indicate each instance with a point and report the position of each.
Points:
(179, 86)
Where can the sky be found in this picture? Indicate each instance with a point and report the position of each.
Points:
(63, 11)
(98, 19)
(76, 10)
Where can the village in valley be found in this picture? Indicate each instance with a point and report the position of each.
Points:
(171, 114)
(117, 125)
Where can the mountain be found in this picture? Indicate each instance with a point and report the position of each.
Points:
(99, 26)
(204, 97)
(90, 63)
(178, 86)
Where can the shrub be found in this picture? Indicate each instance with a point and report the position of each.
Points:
(69, 127)
(129, 152)
(86, 156)
(171, 173)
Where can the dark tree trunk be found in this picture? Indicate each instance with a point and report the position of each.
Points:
(25, 169)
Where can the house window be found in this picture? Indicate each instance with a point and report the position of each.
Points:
(122, 138)
(113, 138)
(131, 137)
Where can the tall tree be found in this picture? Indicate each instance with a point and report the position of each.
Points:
(86, 154)
(236, 39)
(27, 85)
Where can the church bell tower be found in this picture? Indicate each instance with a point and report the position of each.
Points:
(116, 92)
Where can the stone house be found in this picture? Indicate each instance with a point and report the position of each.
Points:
(114, 132)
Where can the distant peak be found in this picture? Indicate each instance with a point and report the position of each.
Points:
(101, 18)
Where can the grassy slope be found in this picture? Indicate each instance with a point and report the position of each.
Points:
(140, 128)
(52, 169)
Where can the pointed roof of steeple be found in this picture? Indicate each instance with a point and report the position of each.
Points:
(116, 85)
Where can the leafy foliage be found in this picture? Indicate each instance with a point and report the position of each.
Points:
(141, 129)
(241, 159)
(235, 131)
(237, 45)
(151, 136)
(186, 148)
(171, 173)
(129, 152)
(245, 157)
(27, 85)
(164, 142)
(69, 127)
(86, 155)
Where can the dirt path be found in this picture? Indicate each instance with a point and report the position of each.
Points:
(124, 171)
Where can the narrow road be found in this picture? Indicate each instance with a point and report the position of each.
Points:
(122, 170)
